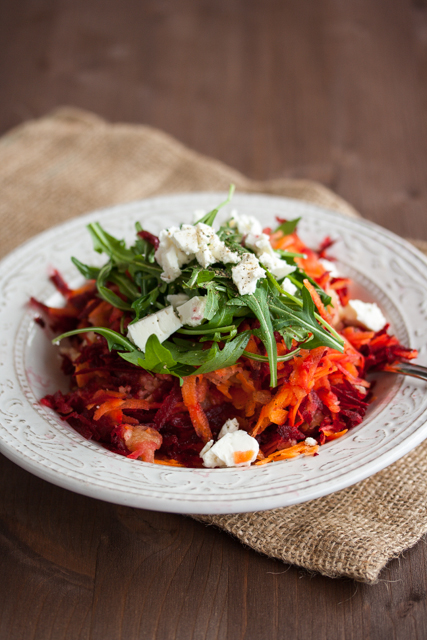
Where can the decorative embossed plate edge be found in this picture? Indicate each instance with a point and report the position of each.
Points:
(388, 269)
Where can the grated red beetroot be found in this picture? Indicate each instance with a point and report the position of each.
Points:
(138, 414)
(149, 237)
(324, 246)
(383, 350)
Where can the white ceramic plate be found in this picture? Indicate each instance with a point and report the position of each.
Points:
(384, 268)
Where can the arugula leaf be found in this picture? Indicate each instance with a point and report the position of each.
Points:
(292, 332)
(259, 358)
(237, 302)
(192, 283)
(204, 276)
(115, 300)
(223, 321)
(288, 226)
(90, 273)
(156, 357)
(107, 274)
(276, 288)
(212, 302)
(290, 254)
(228, 355)
(136, 274)
(234, 244)
(144, 302)
(305, 318)
(199, 276)
(139, 264)
(183, 354)
(209, 218)
(298, 277)
(296, 301)
(202, 331)
(103, 242)
(125, 284)
(142, 245)
(114, 340)
(259, 305)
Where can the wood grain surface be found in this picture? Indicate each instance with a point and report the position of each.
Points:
(330, 90)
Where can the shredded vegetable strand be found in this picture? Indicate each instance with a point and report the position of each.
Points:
(270, 358)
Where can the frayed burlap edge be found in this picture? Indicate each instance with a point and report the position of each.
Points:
(71, 162)
(353, 532)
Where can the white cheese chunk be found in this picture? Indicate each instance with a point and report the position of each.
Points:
(311, 442)
(211, 248)
(168, 322)
(177, 299)
(279, 268)
(236, 449)
(169, 256)
(230, 426)
(180, 246)
(330, 266)
(192, 312)
(288, 286)
(364, 314)
(247, 273)
(162, 324)
(260, 244)
(186, 239)
(245, 224)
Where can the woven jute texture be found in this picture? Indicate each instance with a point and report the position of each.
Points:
(71, 162)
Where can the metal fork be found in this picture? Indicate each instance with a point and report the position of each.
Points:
(408, 369)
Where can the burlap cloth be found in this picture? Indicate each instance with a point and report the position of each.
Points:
(71, 162)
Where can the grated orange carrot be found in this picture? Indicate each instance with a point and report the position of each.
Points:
(273, 411)
(317, 301)
(291, 452)
(332, 435)
(247, 384)
(197, 415)
(106, 407)
(169, 463)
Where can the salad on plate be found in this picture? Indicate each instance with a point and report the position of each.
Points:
(215, 347)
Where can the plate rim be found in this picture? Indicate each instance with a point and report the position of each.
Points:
(109, 495)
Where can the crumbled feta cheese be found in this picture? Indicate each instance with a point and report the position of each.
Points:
(230, 426)
(364, 314)
(247, 273)
(288, 286)
(311, 442)
(192, 312)
(279, 268)
(169, 256)
(330, 266)
(162, 324)
(186, 239)
(245, 224)
(212, 249)
(260, 244)
(168, 322)
(206, 448)
(177, 299)
(179, 246)
(236, 449)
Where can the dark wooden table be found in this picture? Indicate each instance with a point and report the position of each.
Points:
(329, 90)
